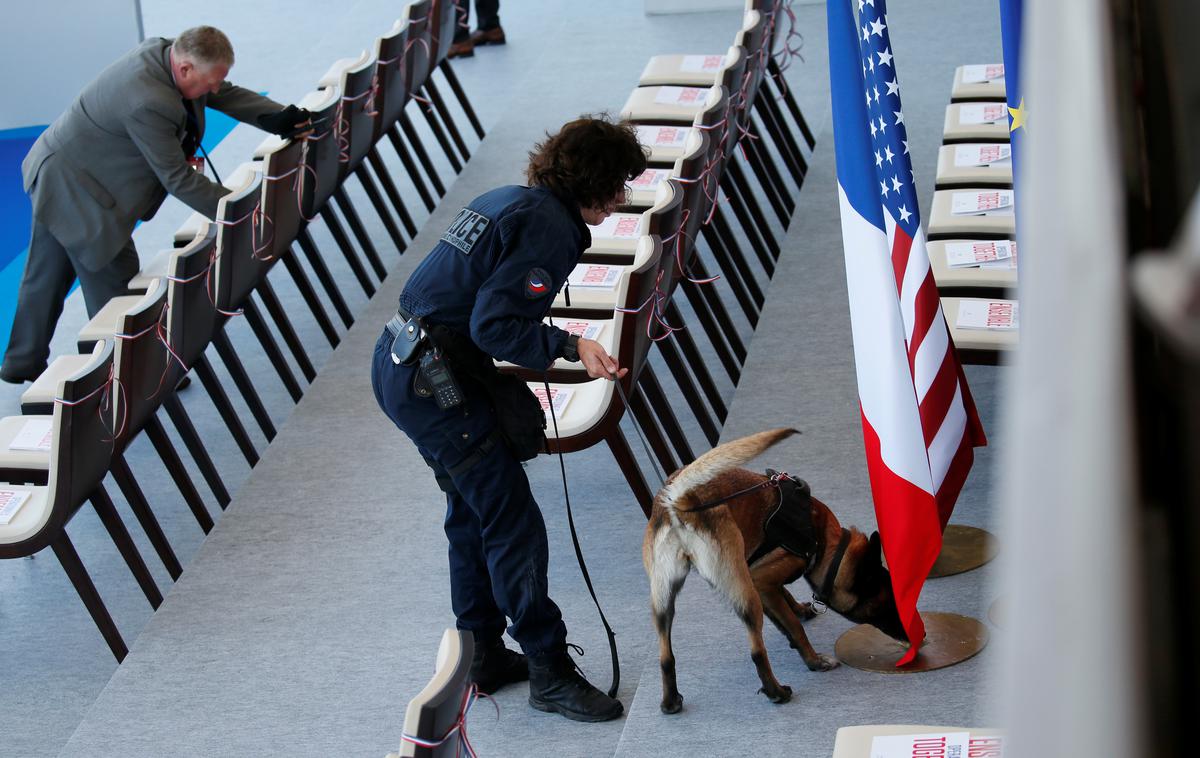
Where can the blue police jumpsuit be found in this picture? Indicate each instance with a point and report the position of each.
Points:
(493, 276)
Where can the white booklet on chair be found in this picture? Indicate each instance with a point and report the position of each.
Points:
(649, 179)
(588, 330)
(982, 113)
(988, 72)
(988, 314)
(594, 276)
(618, 226)
(989, 203)
(701, 64)
(682, 96)
(908, 745)
(559, 395)
(992, 154)
(663, 136)
(11, 502)
(35, 435)
(974, 254)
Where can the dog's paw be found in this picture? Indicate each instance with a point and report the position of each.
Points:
(823, 663)
(671, 704)
(805, 611)
(778, 696)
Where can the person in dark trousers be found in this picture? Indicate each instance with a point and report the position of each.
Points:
(489, 32)
(482, 294)
(127, 140)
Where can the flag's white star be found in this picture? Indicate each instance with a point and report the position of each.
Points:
(874, 131)
(883, 188)
(899, 117)
(860, 6)
(864, 68)
(871, 64)
(876, 93)
(877, 27)
(868, 99)
(885, 58)
(866, 32)
(871, 3)
(888, 154)
(912, 176)
(905, 215)
(896, 185)
(882, 124)
(893, 87)
(905, 146)
(879, 159)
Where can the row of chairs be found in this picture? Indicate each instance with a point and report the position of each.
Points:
(973, 217)
(716, 138)
(135, 351)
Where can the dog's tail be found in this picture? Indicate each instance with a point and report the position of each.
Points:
(721, 458)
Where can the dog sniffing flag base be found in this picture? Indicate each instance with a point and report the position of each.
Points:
(949, 639)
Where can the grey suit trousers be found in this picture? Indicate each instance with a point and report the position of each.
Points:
(49, 274)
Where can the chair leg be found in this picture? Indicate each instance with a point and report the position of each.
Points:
(768, 175)
(733, 277)
(456, 88)
(271, 348)
(657, 401)
(410, 167)
(699, 296)
(435, 97)
(120, 537)
(713, 304)
(325, 277)
(419, 149)
(737, 175)
(381, 209)
(776, 74)
(784, 143)
(767, 103)
(220, 399)
(124, 478)
(65, 552)
(304, 285)
(766, 247)
(739, 259)
(343, 243)
(191, 439)
(360, 233)
(733, 189)
(629, 467)
(643, 416)
(170, 458)
(700, 412)
(241, 380)
(692, 360)
(440, 135)
(393, 194)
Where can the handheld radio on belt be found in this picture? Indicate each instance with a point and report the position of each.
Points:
(440, 381)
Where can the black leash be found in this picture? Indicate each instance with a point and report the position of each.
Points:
(662, 477)
(587, 579)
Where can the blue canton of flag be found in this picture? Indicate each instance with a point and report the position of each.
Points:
(889, 136)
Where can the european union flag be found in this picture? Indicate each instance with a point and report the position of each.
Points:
(1010, 30)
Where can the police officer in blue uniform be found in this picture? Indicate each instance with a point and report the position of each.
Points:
(482, 294)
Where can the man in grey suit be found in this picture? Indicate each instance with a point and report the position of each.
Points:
(110, 160)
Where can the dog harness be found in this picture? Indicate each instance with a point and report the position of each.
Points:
(790, 525)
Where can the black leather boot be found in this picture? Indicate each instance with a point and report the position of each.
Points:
(557, 686)
(493, 665)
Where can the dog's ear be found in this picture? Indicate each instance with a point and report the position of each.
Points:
(875, 546)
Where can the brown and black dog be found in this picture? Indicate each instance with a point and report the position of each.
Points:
(718, 541)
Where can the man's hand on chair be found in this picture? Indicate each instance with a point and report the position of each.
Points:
(597, 361)
(289, 122)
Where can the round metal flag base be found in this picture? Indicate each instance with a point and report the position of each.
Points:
(949, 639)
(963, 548)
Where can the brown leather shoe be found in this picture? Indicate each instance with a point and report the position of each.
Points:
(464, 49)
(488, 36)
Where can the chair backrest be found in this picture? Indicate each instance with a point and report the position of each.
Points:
(733, 79)
(80, 450)
(191, 316)
(142, 366)
(357, 110)
(321, 151)
(419, 48)
(753, 38)
(281, 202)
(236, 269)
(443, 23)
(632, 330)
(436, 709)
(391, 74)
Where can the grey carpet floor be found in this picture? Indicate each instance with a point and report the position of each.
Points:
(312, 612)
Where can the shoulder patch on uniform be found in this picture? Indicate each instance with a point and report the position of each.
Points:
(537, 283)
(465, 230)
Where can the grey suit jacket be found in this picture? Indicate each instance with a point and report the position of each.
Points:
(113, 156)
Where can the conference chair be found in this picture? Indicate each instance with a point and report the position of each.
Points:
(978, 83)
(391, 97)
(974, 164)
(982, 346)
(78, 457)
(435, 720)
(443, 40)
(420, 62)
(979, 213)
(975, 122)
(991, 279)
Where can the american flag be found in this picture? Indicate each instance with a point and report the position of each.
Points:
(919, 421)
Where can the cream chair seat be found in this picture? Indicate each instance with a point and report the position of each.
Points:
(979, 82)
(994, 224)
(665, 142)
(602, 332)
(39, 396)
(947, 276)
(976, 122)
(158, 267)
(197, 224)
(967, 165)
(28, 460)
(31, 516)
(988, 340)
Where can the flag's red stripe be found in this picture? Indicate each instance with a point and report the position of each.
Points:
(956, 476)
(925, 309)
(936, 403)
(901, 247)
(974, 426)
(911, 534)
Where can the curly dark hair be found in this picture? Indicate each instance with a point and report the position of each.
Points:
(589, 160)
